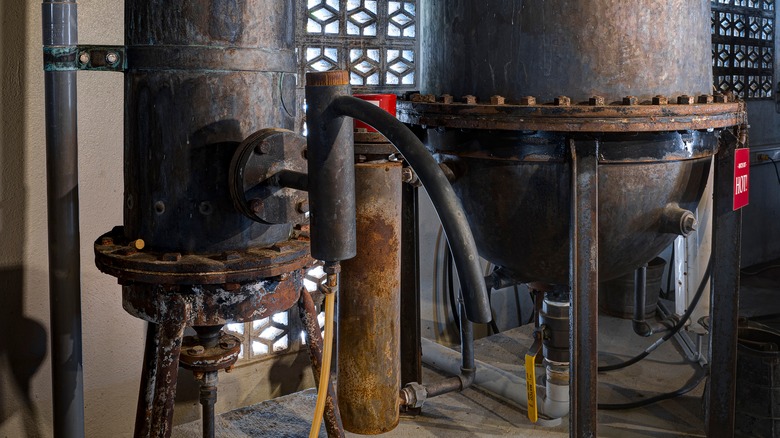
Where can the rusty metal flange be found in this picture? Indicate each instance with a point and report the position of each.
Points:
(114, 255)
(201, 359)
(564, 116)
(210, 305)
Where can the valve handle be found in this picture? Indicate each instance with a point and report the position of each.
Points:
(530, 376)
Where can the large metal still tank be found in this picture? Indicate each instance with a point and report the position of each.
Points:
(544, 74)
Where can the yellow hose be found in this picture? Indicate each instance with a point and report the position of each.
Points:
(327, 352)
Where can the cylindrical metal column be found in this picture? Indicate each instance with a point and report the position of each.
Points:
(369, 351)
(331, 160)
(202, 76)
(578, 48)
(62, 182)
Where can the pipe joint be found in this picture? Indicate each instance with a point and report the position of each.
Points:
(414, 395)
(677, 220)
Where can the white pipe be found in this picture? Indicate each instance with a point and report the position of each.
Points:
(553, 400)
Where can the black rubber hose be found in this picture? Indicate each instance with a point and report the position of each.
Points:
(450, 285)
(688, 387)
(680, 324)
(447, 204)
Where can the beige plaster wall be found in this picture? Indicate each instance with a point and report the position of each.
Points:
(112, 339)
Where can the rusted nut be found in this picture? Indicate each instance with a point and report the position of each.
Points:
(528, 100)
(171, 257)
(596, 101)
(414, 395)
(705, 98)
(332, 268)
(138, 244)
(84, 58)
(685, 100)
(302, 207)
(562, 101)
(256, 205)
(470, 100)
(230, 368)
(446, 98)
(424, 98)
(231, 255)
(630, 100)
(408, 176)
(497, 100)
(228, 344)
(660, 100)
(106, 241)
(112, 58)
(196, 350)
(689, 224)
(720, 98)
(231, 286)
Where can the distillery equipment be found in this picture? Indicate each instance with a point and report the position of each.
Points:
(579, 139)
(565, 142)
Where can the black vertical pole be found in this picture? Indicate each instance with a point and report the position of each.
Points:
(411, 350)
(60, 34)
(583, 277)
(724, 301)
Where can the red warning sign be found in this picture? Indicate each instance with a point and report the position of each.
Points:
(741, 177)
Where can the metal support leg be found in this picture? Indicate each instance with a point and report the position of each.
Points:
(583, 277)
(308, 315)
(169, 338)
(143, 414)
(411, 349)
(724, 301)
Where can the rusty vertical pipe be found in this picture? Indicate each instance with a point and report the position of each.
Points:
(369, 376)
(308, 314)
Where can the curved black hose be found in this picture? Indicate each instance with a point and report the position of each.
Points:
(448, 206)
(450, 284)
(680, 324)
(688, 387)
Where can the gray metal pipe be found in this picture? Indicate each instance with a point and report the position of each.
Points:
(60, 31)
(507, 385)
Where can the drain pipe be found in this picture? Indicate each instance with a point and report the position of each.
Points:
(641, 326)
(552, 398)
(60, 36)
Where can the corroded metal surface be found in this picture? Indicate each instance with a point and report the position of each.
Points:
(201, 358)
(369, 328)
(184, 119)
(576, 48)
(214, 304)
(308, 313)
(617, 117)
(528, 184)
(168, 341)
(114, 255)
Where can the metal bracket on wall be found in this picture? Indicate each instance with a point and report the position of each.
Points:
(96, 58)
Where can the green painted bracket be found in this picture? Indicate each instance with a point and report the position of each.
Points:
(96, 58)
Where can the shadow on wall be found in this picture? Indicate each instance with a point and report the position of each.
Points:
(22, 340)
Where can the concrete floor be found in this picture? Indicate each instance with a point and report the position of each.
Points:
(474, 413)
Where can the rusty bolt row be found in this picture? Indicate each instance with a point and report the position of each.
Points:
(595, 100)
